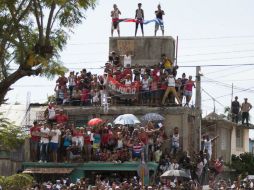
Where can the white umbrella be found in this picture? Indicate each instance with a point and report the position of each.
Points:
(126, 119)
(152, 117)
(175, 173)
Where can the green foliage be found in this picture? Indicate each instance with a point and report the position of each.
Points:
(33, 33)
(16, 182)
(11, 136)
(243, 164)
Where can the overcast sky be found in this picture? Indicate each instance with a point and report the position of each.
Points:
(210, 32)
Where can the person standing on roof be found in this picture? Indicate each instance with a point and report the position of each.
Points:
(235, 108)
(159, 14)
(139, 16)
(246, 107)
(115, 20)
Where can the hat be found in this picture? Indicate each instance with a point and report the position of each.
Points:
(246, 98)
(140, 4)
(236, 97)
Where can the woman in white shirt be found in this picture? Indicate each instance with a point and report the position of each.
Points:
(171, 88)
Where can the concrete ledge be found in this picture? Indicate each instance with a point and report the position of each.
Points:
(146, 50)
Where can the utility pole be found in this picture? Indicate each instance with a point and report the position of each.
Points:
(198, 88)
(198, 102)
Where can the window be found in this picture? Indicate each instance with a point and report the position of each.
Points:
(239, 138)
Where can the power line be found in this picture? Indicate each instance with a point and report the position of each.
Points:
(214, 99)
(214, 59)
(223, 45)
(216, 53)
(218, 37)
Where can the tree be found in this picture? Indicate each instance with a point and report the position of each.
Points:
(243, 164)
(32, 33)
(11, 136)
(17, 182)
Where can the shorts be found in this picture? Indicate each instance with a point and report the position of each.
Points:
(187, 93)
(136, 154)
(115, 26)
(157, 26)
(53, 146)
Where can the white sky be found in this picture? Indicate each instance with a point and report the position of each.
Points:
(210, 32)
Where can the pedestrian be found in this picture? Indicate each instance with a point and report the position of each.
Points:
(159, 15)
(139, 16)
(44, 143)
(34, 141)
(115, 20)
(235, 108)
(246, 107)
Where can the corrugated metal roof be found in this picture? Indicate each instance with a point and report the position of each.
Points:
(15, 113)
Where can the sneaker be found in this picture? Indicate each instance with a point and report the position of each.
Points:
(40, 161)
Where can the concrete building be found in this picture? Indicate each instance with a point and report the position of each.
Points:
(145, 50)
(251, 146)
(233, 138)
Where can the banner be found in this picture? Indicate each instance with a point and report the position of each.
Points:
(120, 88)
(156, 20)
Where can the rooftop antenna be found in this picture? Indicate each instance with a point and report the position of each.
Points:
(28, 101)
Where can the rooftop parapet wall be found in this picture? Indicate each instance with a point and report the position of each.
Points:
(146, 50)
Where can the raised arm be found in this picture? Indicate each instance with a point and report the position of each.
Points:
(215, 138)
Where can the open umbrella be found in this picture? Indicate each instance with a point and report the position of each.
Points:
(126, 119)
(95, 121)
(152, 117)
(175, 173)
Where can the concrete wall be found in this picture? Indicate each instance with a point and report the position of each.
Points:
(224, 141)
(146, 50)
(236, 150)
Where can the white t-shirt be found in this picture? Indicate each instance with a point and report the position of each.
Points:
(145, 84)
(55, 138)
(71, 81)
(175, 140)
(52, 113)
(171, 82)
(127, 61)
(46, 132)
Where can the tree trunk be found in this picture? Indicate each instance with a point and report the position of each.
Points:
(10, 80)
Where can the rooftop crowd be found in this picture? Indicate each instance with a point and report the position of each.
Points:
(155, 85)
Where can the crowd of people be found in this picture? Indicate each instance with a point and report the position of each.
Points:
(58, 140)
(156, 85)
(135, 184)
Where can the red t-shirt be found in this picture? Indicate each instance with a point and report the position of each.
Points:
(105, 138)
(33, 130)
(143, 138)
(85, 95)
(87, 139)
(61, 118)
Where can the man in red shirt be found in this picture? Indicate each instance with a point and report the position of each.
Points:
(61, 117)
(34, 141)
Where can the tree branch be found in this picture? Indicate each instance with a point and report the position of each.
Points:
(39, 24)
(50, 18)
